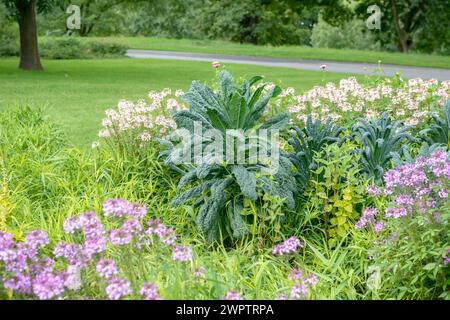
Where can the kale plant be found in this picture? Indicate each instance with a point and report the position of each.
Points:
(439, 130)
(381, 141)
(307, 142)
(219, 186)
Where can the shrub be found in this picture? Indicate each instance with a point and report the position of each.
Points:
(77, 48)
(218, 185)
(351, 35)
(411, 251)
(98, 48)
(62, 48)
(9, 36)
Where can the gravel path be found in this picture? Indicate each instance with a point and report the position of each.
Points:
(331, 66)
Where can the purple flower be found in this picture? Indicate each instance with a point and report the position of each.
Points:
(296, 274)
(182, 253)
(70, 251)
(373, 190)
(233, 295)
(447, 258)
(299, 290)
(6, 241)
(404, 200)
(167, 236)
(443, 193)
(199, 273)
(89, 220)
(138, 211)
(45, 265)
(72, 278)
(120, 236)
(106, 268)
(117, 288)
(150, 291)
(312, 280)
(120, 208)
(15, 260)
(132, 226)
(72, 224)
(48, 285)
(291, 245)
(94, 245)
(20, 283)
(395, 212)
(116, 207)
(368, 216)
(378, 227)
(36, 239)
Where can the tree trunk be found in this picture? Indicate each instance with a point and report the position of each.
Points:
(402, 39)
(29, 53)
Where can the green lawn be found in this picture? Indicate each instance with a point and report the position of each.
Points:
(292, 52)
(75, 93)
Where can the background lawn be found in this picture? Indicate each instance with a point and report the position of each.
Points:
(292, 52)
(75, 93)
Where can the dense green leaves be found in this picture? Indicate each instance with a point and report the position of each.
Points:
(220, 187)
(439, 130)
(307, 142)
(380, 141)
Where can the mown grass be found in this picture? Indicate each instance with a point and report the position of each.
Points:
(290, 52)
(75, 93)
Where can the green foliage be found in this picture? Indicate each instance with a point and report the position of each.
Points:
(410, 263)
(309, 141)
(9, 35)
(219, 188)
(352, 34)
(380, 140)
(439, 130)
(336, 191)
(74, 48)
(419, 21)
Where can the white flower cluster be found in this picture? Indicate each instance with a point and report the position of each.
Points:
(140, 122)
(412, 101)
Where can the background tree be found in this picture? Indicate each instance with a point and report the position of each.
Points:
(403, 20)
(24, 11)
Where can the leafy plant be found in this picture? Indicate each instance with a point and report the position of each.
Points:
(439, 130)
(220, 187)
(336, 193)
(307, 142)
(411, 251)
(381, 140)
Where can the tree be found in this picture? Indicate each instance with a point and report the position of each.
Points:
(93, 12)
(402, 20)
(24, 11)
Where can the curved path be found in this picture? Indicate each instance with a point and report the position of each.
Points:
(314, 65)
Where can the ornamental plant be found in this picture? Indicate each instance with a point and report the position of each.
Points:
(336, 192)
(132, 127)
(409, 223)
(439, 130)
(219, 186)
(309, 141)
(29, 269)
(413, 101)
(380, 141)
